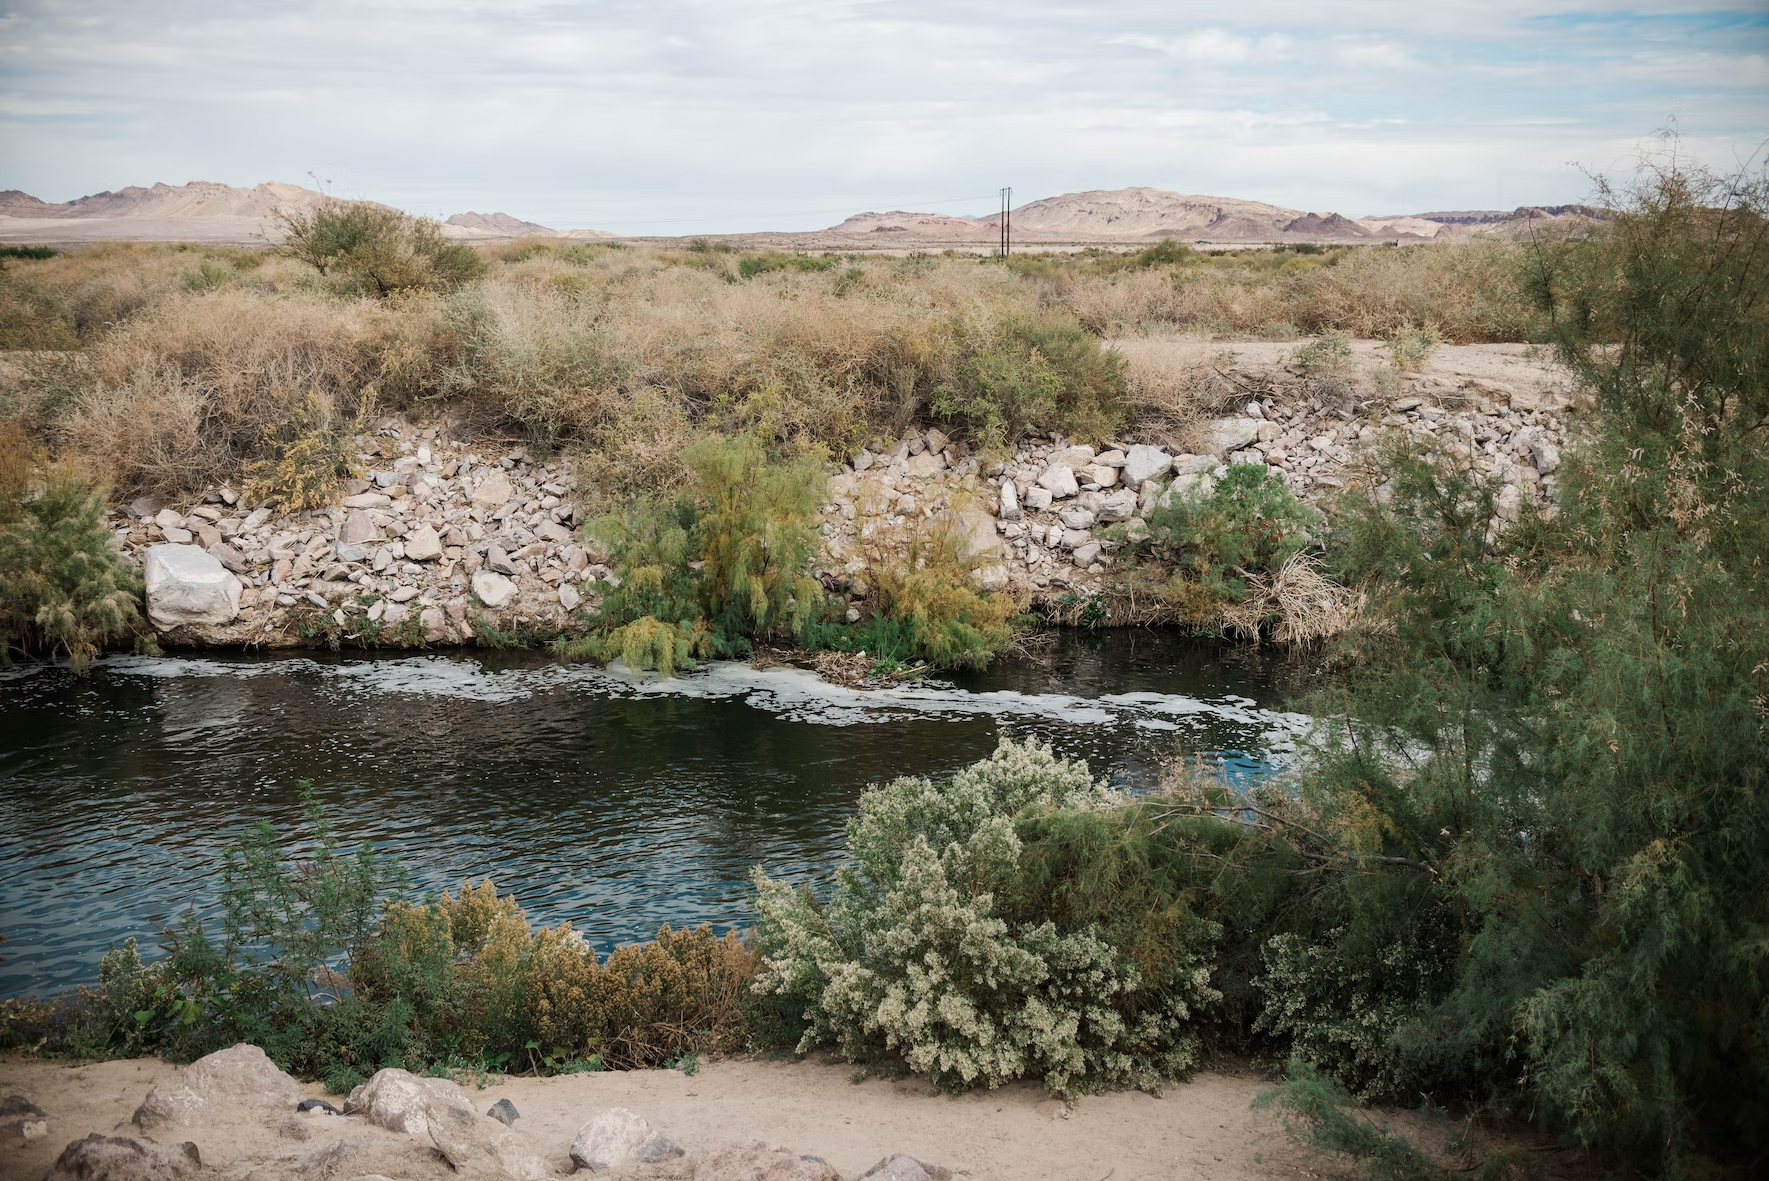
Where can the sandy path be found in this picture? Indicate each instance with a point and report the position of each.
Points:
(1200, 1129)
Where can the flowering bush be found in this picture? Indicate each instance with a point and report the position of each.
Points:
(910, 955)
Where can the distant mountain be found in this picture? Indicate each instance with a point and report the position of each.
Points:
(899, 222)
(205, 211)
(497, 225)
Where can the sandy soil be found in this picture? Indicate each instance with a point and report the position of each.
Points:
(1200, 1129)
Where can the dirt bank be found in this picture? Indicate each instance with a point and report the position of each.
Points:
(1200, 1129)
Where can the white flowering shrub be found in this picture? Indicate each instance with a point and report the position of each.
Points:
(910, 955)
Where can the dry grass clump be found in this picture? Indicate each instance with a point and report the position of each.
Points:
(498, 982)
(1468, 289)
(1295, 604)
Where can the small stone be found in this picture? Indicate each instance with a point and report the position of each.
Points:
(404, 594)
(1086, 555)
(1010, 502)
(229, 557)
(169, 519)
(553, 532)
(179, 536)
(396, 613)
(1076, 518)
(1073, 538)
(435, 624)
(657, 1150)
(493, 589)
(504, 1112)
(926, 464)
(1038, 499)
(568, 597)
(1099, 474)
(364, 500)
(377, 610)
(359, 529)
(422, 544)
(496, 559)
(937, 440)
(1119, 506)
(1112, 458)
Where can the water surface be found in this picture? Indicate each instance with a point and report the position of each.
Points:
(615, 802)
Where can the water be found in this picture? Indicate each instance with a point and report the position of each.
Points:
(615, 802)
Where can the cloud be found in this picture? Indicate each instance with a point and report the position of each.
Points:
(701, 115)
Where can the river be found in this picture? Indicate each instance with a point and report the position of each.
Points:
(615, 802)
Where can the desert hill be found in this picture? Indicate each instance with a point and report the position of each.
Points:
(208, 212)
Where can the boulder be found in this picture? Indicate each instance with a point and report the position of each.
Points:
(613, 1138)
(1073, 457)
(1545, 454)
(1087, 555)
(568, 597)
(903, 1167)
(423, 545)
(1073, 538)
(229, 557)
(1076, 518)
(239, 1076)
(494, 491)
(1010, 501)
(753, 1160)
(123, 1158)
(475, 1145)
(496, 559)
(1100, 474)
(19, 1105)
(993, 577)
(435, 624)
(1059, 480)
(1143, 462)
(169, 519)
(926, 464)
(1119, 506)
(1192, 465)
(494, 590)
(1112, 458)
(1038, 499)
(400, 1101)
(980, 536)
(1231, 434)
(186, 585)
(937, 440)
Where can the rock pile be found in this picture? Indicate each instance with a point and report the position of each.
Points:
(441, 534)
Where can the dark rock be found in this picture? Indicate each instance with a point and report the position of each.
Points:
(123, 1158)
(504, 1112)
(658, 1148)
(19, 1105)
(317, 1105)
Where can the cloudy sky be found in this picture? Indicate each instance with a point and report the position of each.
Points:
(683, 116)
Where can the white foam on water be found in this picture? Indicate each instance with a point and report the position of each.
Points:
(789, 693)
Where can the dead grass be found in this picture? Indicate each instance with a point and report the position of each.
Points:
(192, 359)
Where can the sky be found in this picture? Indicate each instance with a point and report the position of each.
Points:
(701, 116)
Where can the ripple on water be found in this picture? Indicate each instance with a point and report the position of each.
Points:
(614, 801)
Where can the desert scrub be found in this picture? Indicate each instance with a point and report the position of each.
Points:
(380, 250)
(312, 452)
(909, 955)
(1219, 539)
(1040, 376)
(63, 590)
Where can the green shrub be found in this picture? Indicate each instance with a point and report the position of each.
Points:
(313, 452)
(723, 564)
(1328, 355)
(1218, 538)
(382, 250)
(777, 260)
(63, 590)
(911, 954)
(1410, 347)
(1039, 376)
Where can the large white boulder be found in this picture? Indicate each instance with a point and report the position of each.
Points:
(1059, 480)
(241, 1076)
(1231, 434)
(620, 1137)
(494, 590)
(187, 585)
(401, 1101)
(1143, 462)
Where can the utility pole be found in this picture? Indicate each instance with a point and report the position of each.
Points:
(1006, 221)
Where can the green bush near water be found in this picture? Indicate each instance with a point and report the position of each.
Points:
(63, 590)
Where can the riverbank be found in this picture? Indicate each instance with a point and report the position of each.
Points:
(452, 537)
(1203, 1128)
